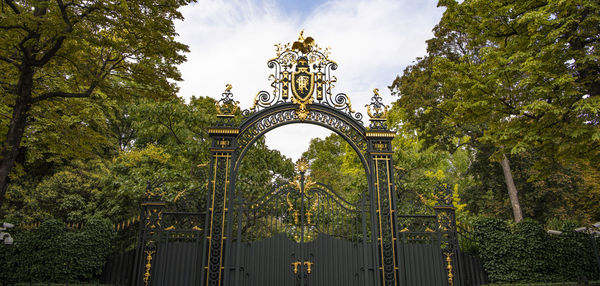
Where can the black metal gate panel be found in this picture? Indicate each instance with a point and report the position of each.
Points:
(171, 249)
(324, 261)
(334, 262)
(177, 263)
(423, 263)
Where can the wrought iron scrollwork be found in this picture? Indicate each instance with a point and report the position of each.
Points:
(286, 115)
(298, 65)
(385, 207)
(302, 209)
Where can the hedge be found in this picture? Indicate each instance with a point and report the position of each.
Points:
(526, 253)
(51, 253)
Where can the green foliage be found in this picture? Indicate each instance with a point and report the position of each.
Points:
(422, 169)
(122, 48)
(51, 253)
(262, 169)
(333, 162)
(526, 253)
(162, 142)
(73, 193)
(558, 190)
(63, 63)
(513, 78)
(545, 284)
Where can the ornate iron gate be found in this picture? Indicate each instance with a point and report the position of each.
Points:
(290, 237)
(301, 233)
(302, 83)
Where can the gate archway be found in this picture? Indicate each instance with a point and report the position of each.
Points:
(302, 82)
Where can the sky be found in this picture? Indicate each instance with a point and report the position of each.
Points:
(231, 41)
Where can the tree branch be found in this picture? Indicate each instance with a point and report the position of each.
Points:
(13, 6)
(51, 52)
(58, 43)
(9, 60)
(12, 27)
(62, 94)
(63, 13)
(85, 13)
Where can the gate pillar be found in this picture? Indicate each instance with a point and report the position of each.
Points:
(446, 219)
(223, 153)
(153, 207)
(382, 193)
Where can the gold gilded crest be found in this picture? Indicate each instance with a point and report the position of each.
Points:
(303, 82)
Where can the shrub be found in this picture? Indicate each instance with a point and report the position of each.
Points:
(527, 253)
(51, 253)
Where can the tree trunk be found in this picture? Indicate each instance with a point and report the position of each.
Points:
(16, 129)
(512, 189)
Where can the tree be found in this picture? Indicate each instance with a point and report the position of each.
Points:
(57, 51)
(333, 162)
(558, 191)
(421, 170)
(168, 146)
(261, 170)
(516, 75)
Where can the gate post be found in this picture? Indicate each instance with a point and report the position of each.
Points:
(382, 192)
(153, 207)
(446, 218)
(223, 153)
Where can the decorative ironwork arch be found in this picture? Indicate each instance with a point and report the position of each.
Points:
(266, 120)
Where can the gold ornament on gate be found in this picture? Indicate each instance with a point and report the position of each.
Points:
(226, 106)
(302, 165)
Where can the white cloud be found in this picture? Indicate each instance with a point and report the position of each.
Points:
(231, 41)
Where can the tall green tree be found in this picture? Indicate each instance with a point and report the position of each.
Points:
(57, 51)
(515, 75)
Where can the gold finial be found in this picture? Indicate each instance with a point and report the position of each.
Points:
(376, 109)
(226, 106)
(302, 165)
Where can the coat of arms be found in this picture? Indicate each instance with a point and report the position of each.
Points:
(303, 85)
(303, 82)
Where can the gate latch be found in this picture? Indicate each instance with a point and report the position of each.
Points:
(308, 265)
